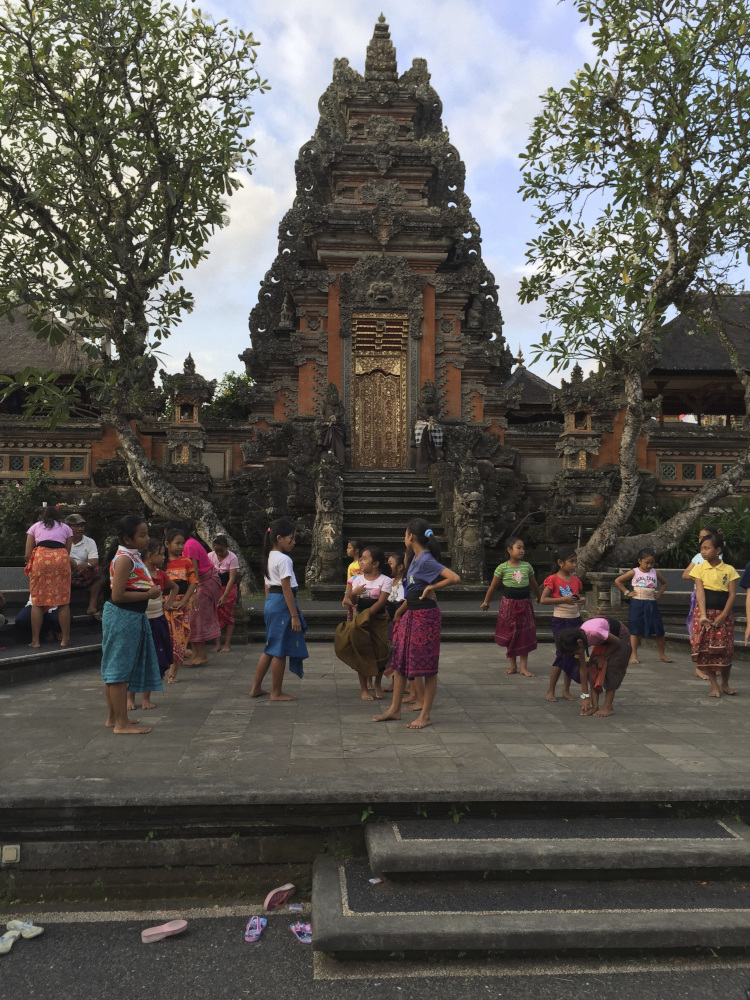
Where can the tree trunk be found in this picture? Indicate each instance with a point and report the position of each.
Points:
(609, 531)
(162, 497)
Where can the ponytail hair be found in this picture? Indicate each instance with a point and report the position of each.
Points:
(126, 528)
(721, 545)
(282, 526)
(645, 553)
(511, 541)
(155, 545)
(49, 516)
(562, 554)
(221, 540)
(421, 528)
(378, 556)
(173, 533)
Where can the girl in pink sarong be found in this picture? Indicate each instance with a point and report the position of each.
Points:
(227, 566)
(515, 628)
(204, 621)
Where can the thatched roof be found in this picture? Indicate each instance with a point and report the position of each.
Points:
(686, 350)
(20, 348)
(534, 390)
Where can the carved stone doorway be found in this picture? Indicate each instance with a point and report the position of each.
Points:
(379, 389)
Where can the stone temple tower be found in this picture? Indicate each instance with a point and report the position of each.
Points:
(378, 294)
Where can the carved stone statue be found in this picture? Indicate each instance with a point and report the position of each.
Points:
(468, 543)
(286, 317)
(327, 550)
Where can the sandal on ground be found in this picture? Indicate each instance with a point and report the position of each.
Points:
(303, 932)
(8, 940)
(152, 934)
(277, 897)
(254, 929)
(27, 928)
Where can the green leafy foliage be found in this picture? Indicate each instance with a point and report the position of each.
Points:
(19, 503)
(734, 521)
(229, 400)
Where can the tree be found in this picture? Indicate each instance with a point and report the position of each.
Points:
(639, 170)
(122, 133)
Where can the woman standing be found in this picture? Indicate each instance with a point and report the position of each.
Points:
(48, 543)
(204, 620)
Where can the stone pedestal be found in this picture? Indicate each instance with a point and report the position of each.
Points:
(605, 599)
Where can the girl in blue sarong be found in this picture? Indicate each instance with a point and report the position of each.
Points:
(129, 661)
(285, 626)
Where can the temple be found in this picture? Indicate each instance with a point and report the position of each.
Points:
(377, 329)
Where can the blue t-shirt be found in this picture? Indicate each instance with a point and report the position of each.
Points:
(423, 570)
(745, 579)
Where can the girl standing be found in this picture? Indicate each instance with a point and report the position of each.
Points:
(563, 589)
(155, 616)
(644, 616)
(204, 622)
(696, 561)
(362, 643)
(515, 626)
(48, 543)
(284, 623)
(128, 655)
(712, 639)
(416, 638)
(227, 566)
(181, 571)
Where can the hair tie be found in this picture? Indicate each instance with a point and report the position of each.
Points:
(267, 530)
(429, 533)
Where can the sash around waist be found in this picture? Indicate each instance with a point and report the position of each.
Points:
(517, 593)
(49, 544)
(275, 589)
(716, 599)
(414, 601)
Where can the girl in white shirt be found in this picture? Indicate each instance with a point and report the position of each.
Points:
(285, 625)
(362, 643)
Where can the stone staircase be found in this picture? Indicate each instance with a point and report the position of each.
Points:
(530, 884)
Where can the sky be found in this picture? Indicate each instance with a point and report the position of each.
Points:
(489, 60)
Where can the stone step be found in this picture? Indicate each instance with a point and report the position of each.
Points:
(577, 844)
(354, 919)
(370, 509)
(386, 474)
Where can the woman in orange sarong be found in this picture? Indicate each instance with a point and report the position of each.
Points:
(48, 543)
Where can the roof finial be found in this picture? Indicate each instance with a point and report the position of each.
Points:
(519, 357)
(380, 63)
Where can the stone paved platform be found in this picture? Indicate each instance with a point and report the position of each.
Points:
(493, 737)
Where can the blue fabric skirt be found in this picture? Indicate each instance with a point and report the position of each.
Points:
(162, 642)
(644, 619)
(568, 664)
(128, 652)
(281, 640)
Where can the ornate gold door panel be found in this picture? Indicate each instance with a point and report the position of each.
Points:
(379, 434)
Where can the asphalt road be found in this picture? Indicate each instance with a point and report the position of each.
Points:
(104, 959)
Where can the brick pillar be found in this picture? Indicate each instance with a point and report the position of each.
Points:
(427, 344)
(334, 340)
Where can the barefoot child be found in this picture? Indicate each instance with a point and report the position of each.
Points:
(605, 669)
(644, 616)
(285, 626)
(563, 589)
(712, 639)
(515, 626)
(128, 656)
(397, 566)
(180, 569)
(154, 561)
(227, 566)
(416, 640)
(363, 642)
(696, 561)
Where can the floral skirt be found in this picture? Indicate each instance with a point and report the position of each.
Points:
(48, 571)
(713, 648)
(225, 611)
(416, 643)
(179, 632)
(515, 627)
(204, 622)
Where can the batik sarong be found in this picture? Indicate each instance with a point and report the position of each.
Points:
(712, 648)
(48, 571)
(281, 639)
(204, 622)
(515, 627)
(225, 611)
(363, 643)
(179, 632)
(416, 643)
(128, 652)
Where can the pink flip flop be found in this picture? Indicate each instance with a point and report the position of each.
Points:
(152, 934)
(303, 932)
(277, 897)
(254, 929)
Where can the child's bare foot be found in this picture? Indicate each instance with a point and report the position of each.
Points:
(366, 696)
(131, 730)
(146, 705)
(525, 673)
(634, 659)
(389, 716)
(379, 693)
(714, 694)
(603, 713)
(131, 705)
(64, 644)
(420, 723)
(110, 723)
(224, 649)
(35, 645)
(703, 677)
(258, 693)
(414, 708)
(568, 696)
(512, 670)
(197, 663)
(217, 648)
(550, 696)
(666, 659)
(727, 690)
(281, 696)
(587, 709)
(171, 678)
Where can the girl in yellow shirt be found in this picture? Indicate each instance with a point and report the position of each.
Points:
(712, 636)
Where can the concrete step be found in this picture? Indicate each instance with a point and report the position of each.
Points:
(363, 508)
(576, 844)
(354, 919)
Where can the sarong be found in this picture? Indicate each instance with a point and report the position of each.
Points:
(567, 663)
(515, 626)
(179, 632)
(416, 643)
(204, 622)
(363, 643)
(281, 639)
(85, 578)
(48, 571)
(128, 652)
(644, 619)
(691, 613)
(611, 676)
(162, 642)
(713, 648)
(225, 611)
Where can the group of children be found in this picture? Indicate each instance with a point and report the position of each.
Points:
(148, 594)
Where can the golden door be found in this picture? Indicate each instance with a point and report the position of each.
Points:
(379, 412)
